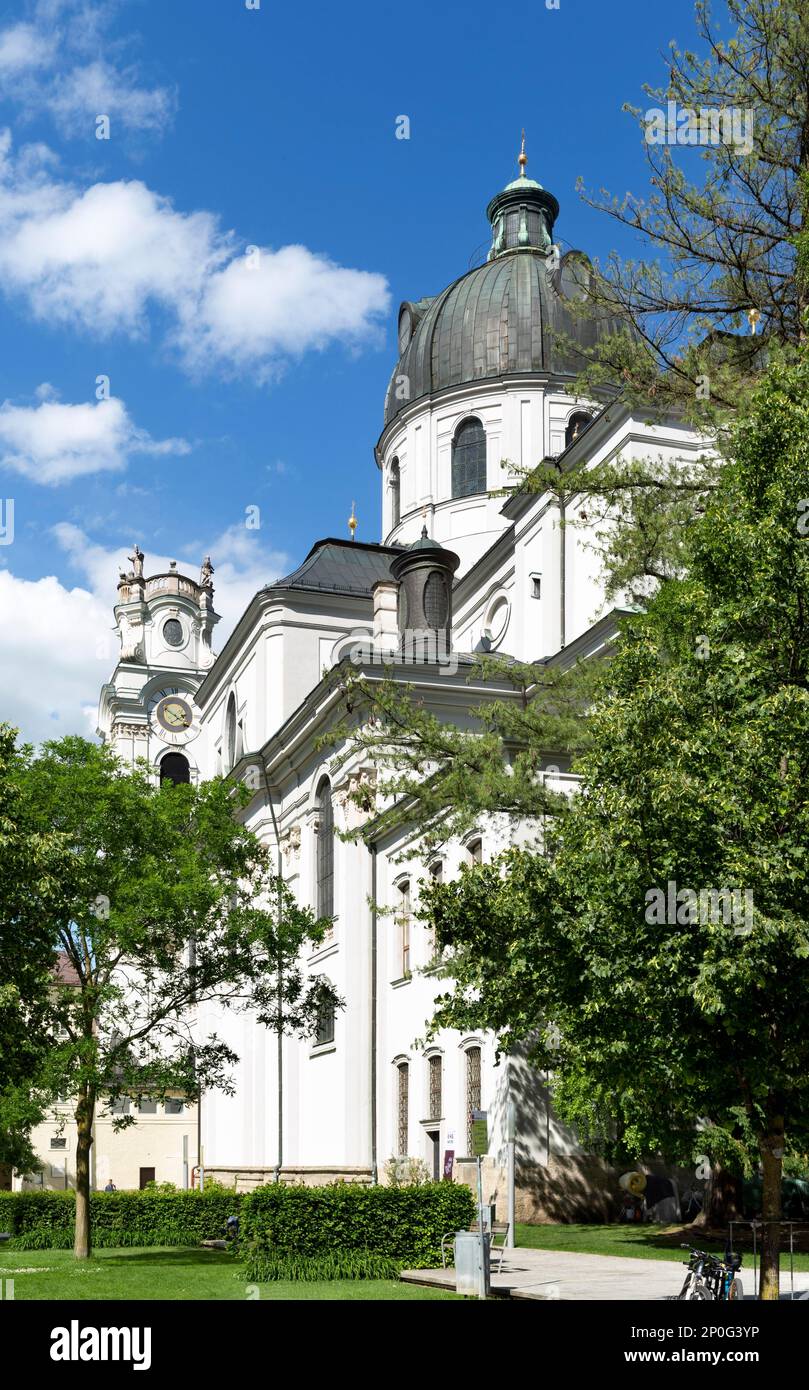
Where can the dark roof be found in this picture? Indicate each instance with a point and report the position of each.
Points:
(509, 316)
(341, 567)
(64, 970)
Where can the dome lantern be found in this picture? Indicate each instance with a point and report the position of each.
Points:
(522, 215)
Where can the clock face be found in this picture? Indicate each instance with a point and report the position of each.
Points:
(174, 714)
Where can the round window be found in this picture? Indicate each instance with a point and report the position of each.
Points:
(173, 632)
(497, 620)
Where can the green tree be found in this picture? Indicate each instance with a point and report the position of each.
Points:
(697, 776)
(29, 867)
(164, 901)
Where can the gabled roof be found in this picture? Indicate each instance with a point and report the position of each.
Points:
(341, 567)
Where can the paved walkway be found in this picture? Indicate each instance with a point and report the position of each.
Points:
(565, 1274)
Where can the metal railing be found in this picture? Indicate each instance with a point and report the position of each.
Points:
(755, 1225)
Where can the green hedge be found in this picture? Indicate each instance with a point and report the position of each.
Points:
(300, 1232)
(45, 1220)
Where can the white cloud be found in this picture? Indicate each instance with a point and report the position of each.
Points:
(54, 442)
(21, 48)
(102, 258)
(65, 63)
(58, 644)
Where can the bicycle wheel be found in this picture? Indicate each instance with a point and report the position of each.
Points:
(735, 1290)
(699, 1293)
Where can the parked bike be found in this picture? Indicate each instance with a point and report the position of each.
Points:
(710, 1278)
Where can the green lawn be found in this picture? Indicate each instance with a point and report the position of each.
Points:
(641, 1242)
(172, 1273)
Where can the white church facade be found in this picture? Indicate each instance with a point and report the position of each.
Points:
(479, 393)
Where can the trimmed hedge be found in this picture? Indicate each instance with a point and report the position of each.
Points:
(46, 1220)
(309, 1229)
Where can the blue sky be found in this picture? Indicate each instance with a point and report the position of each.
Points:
(125, 258)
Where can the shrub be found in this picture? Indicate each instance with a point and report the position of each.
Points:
(45, 1220)
(312, 1228)
(405, 1172)
(339, 1264)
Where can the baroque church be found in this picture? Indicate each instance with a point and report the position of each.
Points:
(470, 562)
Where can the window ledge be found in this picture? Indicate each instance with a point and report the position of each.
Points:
(402, 980)
(323, 1049)
(329, 948)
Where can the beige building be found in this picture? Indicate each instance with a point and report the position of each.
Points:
(161, 1147)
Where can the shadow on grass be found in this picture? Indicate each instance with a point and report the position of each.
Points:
(180, 1255)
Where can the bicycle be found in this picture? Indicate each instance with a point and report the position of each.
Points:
(711, 1279)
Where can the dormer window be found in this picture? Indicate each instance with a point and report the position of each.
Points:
(576, 426)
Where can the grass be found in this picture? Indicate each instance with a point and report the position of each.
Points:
(638, 1242)
(157, 1274)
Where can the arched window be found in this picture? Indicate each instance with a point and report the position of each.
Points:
(230, 733)
(473, 1090)
(324, 1029)
(434, 1075)
(403, 923)
(325, 850)
(174, 768)
(469, 459)
(575, 425)
(402, 1108)
(475, 851)
(395, 494)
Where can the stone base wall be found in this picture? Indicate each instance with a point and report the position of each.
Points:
(245, 1179)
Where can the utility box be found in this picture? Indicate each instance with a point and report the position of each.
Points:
(469, 1278)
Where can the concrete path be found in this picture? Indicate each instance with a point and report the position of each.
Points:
(565, 1274)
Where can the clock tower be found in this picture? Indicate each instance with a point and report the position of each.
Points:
(163, 627)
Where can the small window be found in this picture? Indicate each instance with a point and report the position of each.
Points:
(147, 1107)
(469, 459)
(395, 493)
(174, 768)
(173, 1106)
(120, 1106)
(475, 851)
(57, 1142)
(536, 586)
(173, 633)
(403, 922)
(576, 425)
(324, 1032)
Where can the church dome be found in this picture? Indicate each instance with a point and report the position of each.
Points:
(521, 311)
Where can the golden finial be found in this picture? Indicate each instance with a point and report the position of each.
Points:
(352, 522)
(522, 159)
(753, 316)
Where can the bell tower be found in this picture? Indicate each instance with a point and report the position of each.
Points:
(163, 626)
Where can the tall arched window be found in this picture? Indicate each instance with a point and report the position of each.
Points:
(575, 425)
(434, 1077)
(473, 1090)
(469, 459)
(403, 920)
(395, 493)
(174, 768)
(230, 734)
(402, 1108)
(325, 850)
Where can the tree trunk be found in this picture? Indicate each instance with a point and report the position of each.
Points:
(771, 1146)
(723, 1198)
(82, 1244)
